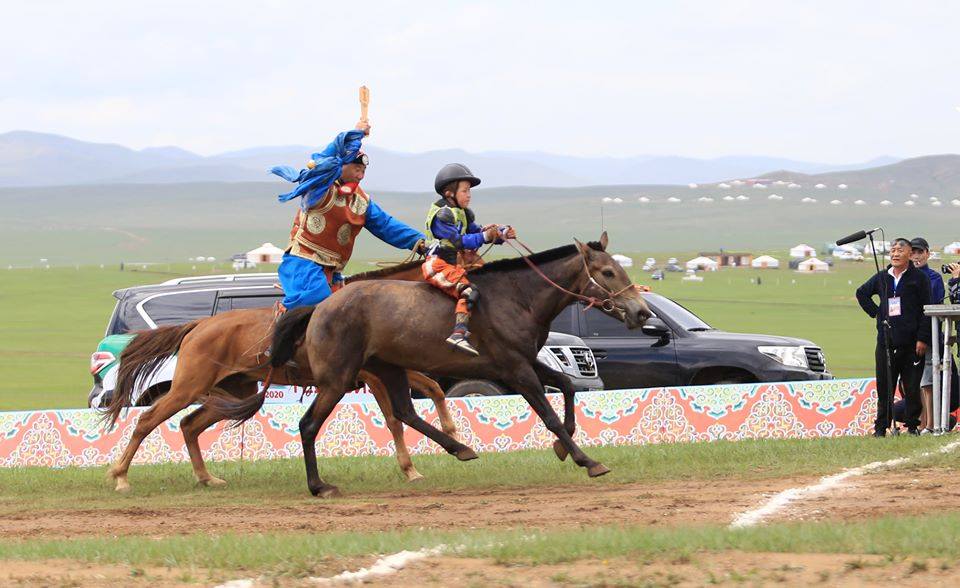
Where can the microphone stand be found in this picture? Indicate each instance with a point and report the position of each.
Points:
(885, 332)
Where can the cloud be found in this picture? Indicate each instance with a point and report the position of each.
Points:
(219, 75)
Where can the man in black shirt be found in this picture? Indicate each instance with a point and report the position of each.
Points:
(907, 334)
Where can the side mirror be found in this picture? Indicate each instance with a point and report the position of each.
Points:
(655, 327)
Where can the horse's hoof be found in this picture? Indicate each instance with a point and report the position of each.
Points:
(560, 450)
(329, 492)
(123, 487)
(414, 476)
(212, 482)
(466, 454)
(595, 471)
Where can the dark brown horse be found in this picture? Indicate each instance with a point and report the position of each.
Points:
(385, 327)
(224, 356)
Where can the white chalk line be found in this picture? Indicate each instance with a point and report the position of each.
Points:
(782, 499)
(384, 566)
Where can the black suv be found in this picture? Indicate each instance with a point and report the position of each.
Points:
(676, 348)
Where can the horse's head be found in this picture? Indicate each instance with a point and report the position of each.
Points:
(610, 283)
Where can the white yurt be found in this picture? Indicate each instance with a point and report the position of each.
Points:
(813, 265)
(623, 260)
(802, 250)
(702, 263)
(266, 253)
(765, 262)
(953, 248)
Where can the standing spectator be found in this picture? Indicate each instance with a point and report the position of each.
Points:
(907, 337)
(920, 256)
(954, 283)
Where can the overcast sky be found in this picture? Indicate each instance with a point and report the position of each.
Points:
(820, 81)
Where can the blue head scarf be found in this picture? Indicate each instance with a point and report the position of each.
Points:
(313, 183)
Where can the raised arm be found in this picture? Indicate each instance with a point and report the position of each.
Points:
(390, 230)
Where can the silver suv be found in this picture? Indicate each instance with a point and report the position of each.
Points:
(185, 299)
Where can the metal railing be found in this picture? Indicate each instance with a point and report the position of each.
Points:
(943, 319)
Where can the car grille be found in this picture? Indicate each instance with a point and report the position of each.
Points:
(586, 365)
(815, 359)
(581, 358)
(560, 355)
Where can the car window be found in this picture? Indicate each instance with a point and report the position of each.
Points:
(126, 319)
(180, 307)
(566, 321)
(684, 318)
(601, 325)
(251, 301)
(223, 305)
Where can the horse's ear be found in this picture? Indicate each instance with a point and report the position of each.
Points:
(583, 248)
(604, 240)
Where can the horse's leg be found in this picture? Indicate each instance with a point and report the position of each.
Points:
(432, 390)
(395, 379)
(524, 380)
(199, 421)
(183, 392)
(551, 377)
(395, 427)
(327, 398)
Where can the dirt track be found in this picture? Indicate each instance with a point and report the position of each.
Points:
(654, 504)
(726, 569)
(658, 504)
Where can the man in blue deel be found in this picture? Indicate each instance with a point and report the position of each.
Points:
(333, 210)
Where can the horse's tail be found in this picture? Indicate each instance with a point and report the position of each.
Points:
(140, 361)
(286, 336)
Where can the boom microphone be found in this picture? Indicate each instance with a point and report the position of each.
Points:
(856, 236)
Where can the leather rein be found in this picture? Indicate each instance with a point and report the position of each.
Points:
(608, 304)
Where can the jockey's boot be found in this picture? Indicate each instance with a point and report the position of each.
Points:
(460, 333)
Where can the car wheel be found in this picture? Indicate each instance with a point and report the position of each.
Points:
(473, 388)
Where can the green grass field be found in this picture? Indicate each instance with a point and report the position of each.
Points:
(51, 319)
(170, 486)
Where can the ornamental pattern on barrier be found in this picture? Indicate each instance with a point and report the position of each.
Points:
(610, 407)
(718, 401)
(506, 423)
(664, 420)
(824, 397)
(772, 418)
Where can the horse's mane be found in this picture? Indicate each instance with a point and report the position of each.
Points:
(500, 265)
(385, 272)
(541, 257)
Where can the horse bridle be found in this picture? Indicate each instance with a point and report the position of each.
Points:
(608, 304)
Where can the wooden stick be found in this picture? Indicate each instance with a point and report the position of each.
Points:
(364, 103)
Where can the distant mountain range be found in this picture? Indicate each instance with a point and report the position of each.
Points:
(931, 175)
(38, 159)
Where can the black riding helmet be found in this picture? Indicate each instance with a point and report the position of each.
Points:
(454, 172)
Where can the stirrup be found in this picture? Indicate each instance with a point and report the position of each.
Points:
(459, 340)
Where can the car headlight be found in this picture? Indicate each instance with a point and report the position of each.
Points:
(790, 356)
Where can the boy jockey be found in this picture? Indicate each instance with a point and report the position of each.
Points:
(451, 228)
(333, 210)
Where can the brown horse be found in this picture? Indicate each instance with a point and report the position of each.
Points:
(225, 355)
(385, 327)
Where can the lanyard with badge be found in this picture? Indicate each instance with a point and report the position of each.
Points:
(893, 304)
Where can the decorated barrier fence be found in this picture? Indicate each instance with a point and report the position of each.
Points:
(833, 408)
